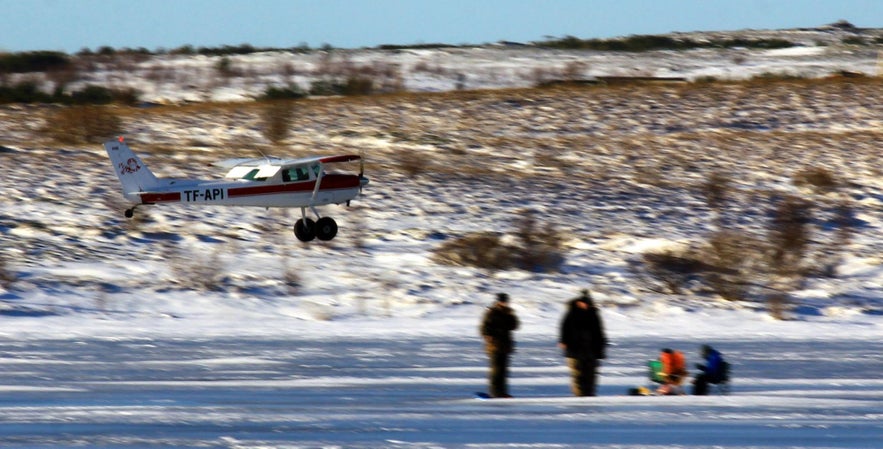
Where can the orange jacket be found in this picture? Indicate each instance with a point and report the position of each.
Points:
(673, 365)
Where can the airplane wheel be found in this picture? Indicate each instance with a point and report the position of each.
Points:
(326, 228)
(130, 213)
(305, 229)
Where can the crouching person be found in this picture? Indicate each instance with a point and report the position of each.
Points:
(713, 371)
(673, 368)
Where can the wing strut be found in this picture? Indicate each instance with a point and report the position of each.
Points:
(319, 177)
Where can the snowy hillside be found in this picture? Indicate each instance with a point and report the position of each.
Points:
(160, 323)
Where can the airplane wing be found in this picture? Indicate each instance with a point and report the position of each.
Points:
(341, 158)
(247, 162)
(259, 161)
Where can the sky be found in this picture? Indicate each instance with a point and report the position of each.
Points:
(72, 25)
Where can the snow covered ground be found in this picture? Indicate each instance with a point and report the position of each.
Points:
(410, 391)
(216, 328)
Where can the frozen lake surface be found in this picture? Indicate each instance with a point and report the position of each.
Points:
(416, 392)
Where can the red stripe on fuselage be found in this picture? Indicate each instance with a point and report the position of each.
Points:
(329, 182)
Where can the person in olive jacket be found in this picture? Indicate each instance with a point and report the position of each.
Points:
(583, 341)
(496, 328)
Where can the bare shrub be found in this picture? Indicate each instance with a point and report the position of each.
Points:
(432, 68)
(549, 158)
(483, 249)
(277, 117)
(825, 254)
(290, 277)
(412, 164)
(539, 246)
(737, 261)
(668, 272)
(64, 76)
(225, 68)
(778, 305)
(789, 235)
(575, 70)
(84, 124)
(7, 275)
(533, 248)
(819, 179)
(197, 271)
(716, 190)
(844, 220)
(730, 266)
(649, 174)
(358, 85)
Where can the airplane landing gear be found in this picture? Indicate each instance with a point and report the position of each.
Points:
(326, 228)
(130, 212)
(305, 229)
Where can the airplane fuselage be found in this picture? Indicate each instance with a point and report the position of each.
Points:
(333, 189)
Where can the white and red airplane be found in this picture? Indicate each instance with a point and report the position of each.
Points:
(261, 182)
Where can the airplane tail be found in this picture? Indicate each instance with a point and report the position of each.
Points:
(133, 174)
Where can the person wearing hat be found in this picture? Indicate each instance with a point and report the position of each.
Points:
(496, 328)
(584, 344)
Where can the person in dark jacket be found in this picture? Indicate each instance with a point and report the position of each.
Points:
(496, 328)
(712, 371)
(583, 341)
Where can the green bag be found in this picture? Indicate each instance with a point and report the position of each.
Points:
(655, 373)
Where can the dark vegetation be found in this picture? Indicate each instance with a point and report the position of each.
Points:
(34, 61)
(29, 92)
(641, 43)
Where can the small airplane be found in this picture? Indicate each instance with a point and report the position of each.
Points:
(261, 182)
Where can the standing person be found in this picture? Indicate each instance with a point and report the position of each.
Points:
(496, 327)
(583, 341)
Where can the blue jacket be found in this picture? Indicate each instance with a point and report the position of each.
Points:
(714, 364)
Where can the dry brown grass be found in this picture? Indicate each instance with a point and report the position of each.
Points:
(83, 124)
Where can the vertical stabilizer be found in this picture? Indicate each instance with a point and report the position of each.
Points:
(133, 174)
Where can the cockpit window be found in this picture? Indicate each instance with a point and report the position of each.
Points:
(295, 174)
